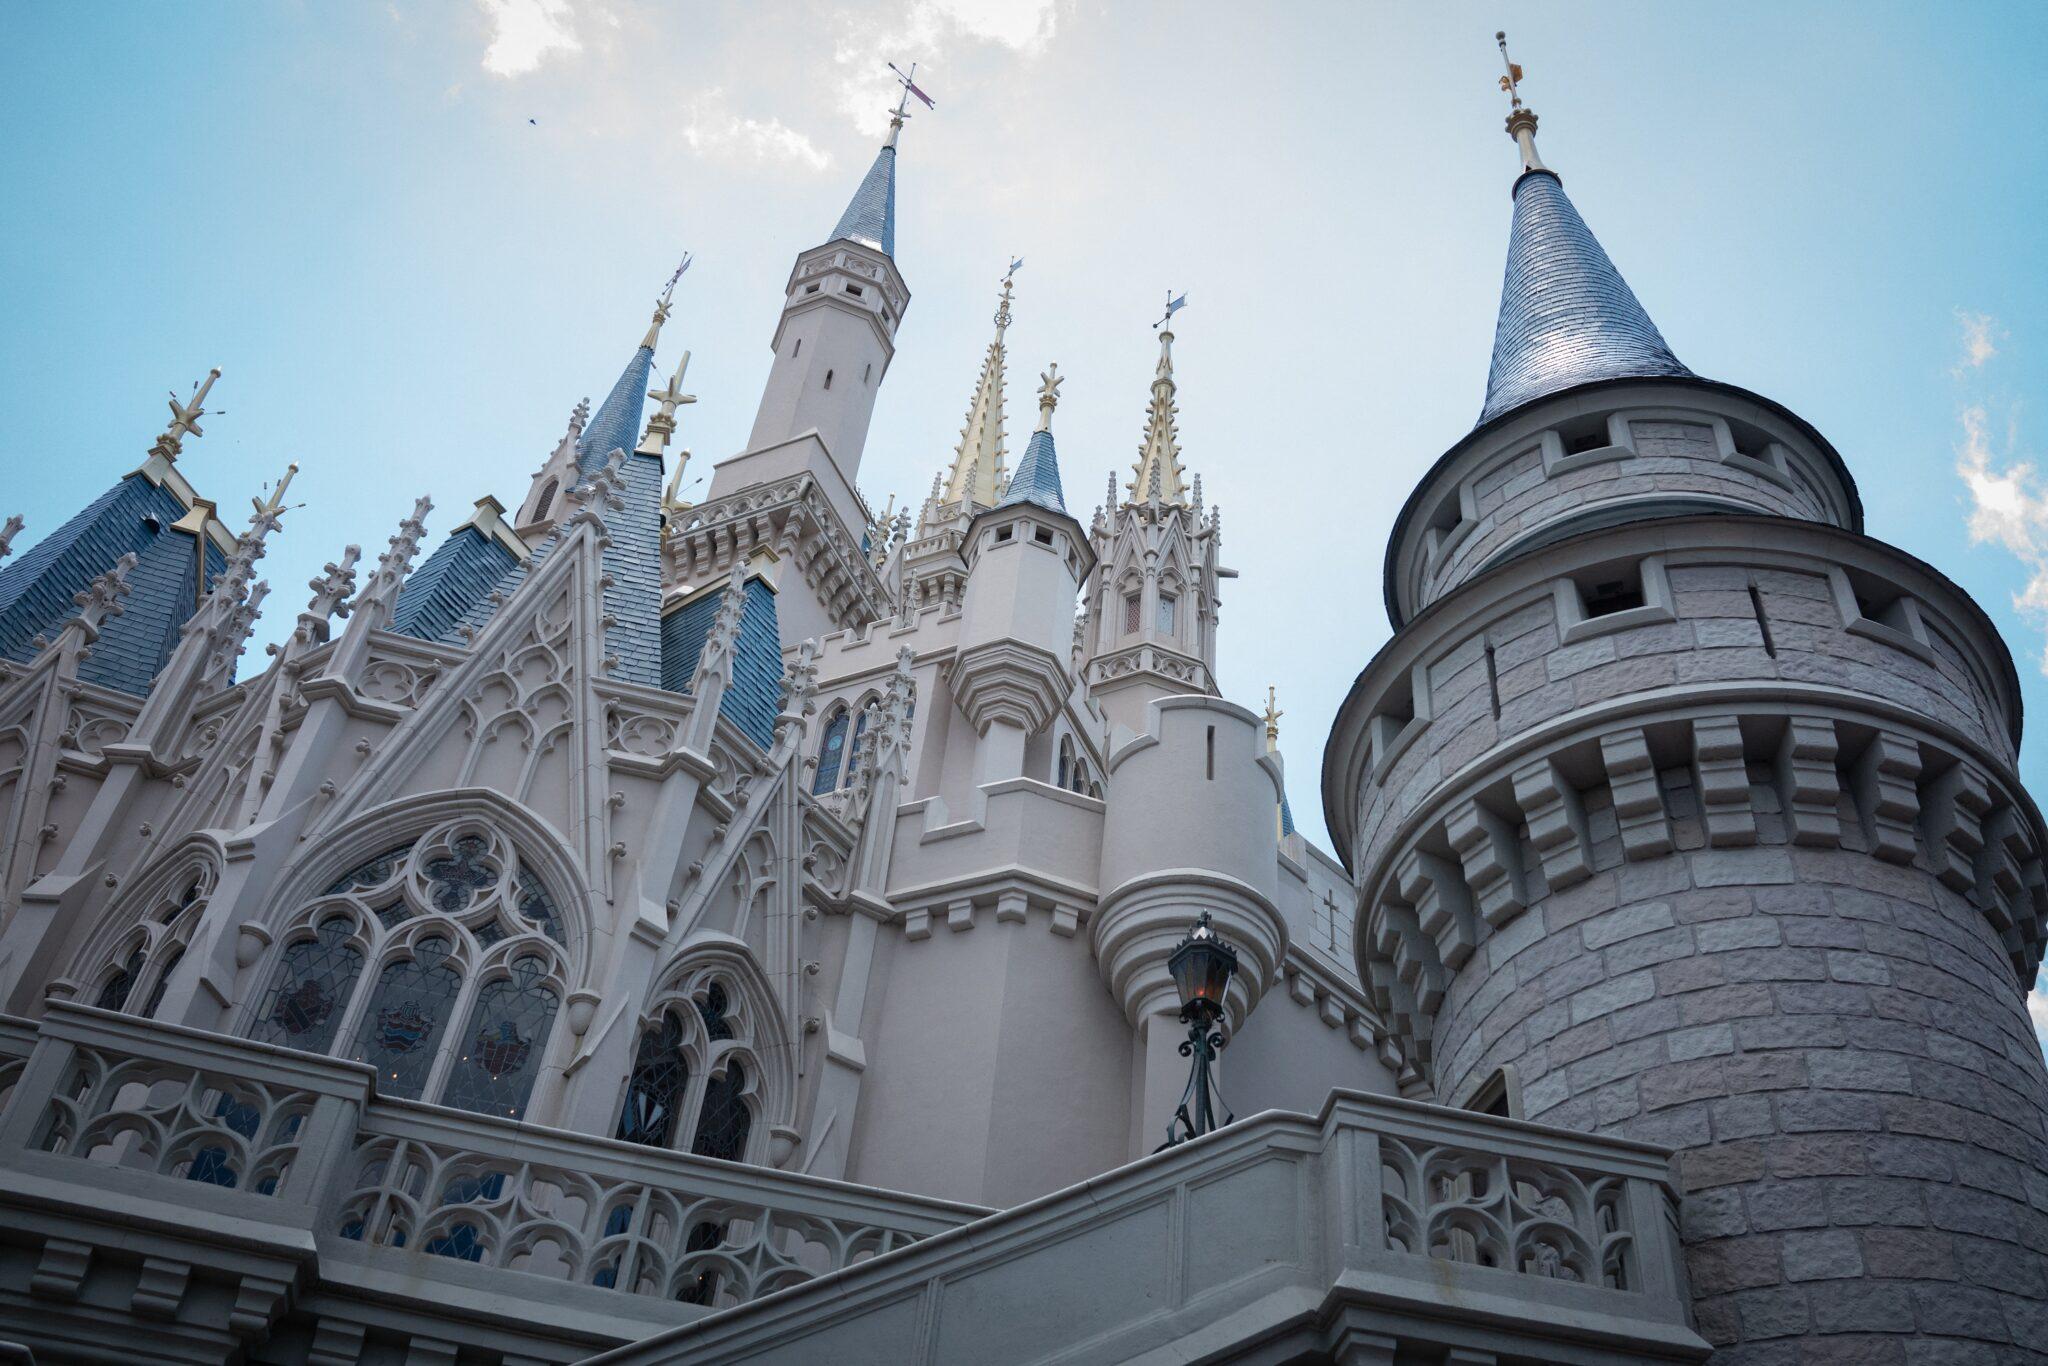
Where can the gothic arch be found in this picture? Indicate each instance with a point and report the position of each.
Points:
(750, 1054)
(145, 930)
(539, 849)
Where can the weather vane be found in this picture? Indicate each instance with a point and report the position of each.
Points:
(1173, 305)
(670, 288)
(1512, 82)
(907, 80)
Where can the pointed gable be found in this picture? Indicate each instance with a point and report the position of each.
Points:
(134, 516)
(1566, 316)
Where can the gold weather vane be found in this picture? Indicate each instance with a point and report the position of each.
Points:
(1512, 82)
(1521, 118)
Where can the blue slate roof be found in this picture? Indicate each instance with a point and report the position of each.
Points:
(133, 516)
(870, 217)
(1037, 479)
(1286, 818)
(453, 588)
(616, 424)
(1566, 316)
(460, 572)
(756, 692)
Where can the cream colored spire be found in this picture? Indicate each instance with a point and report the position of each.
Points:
(977, 474)
(1521, 118)
(1049, 382)
(1158, 471)
(662, 425)
(1273, 715)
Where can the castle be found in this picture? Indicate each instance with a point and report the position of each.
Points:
(740, 930)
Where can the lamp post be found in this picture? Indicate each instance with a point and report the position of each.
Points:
(1202, 966)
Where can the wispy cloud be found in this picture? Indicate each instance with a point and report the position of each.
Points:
(1980, 340)
(524, 32)
(2008, 499)
(930, 31)
(712, 129)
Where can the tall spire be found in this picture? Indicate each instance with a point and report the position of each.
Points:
(1566, 315)
(185, 418)
(1038, 474)
(1158, 471)
(617, 420)
(870, 217)
(976, 476)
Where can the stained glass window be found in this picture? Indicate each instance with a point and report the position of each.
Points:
(831, 750)
(315, 978)
(501, 1050)
(456, 880)
(713, 1008)
(114, 994)
(163, 980)
(656, 1086)
(375, 873)
(536, 905)
(723, 1124)
(408, 1014)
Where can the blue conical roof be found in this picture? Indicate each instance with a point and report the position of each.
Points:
(616, 424)
(1037, 479)
(870, 217)
(1566, 316)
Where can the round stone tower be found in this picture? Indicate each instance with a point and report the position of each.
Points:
(1680, 809)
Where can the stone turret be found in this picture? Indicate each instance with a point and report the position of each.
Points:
(1681, 810)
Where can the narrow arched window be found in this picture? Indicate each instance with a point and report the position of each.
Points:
(315, 978)
(723, 1124)
(499, 1053)
(828, 379)
(1066, 772)
(114, 994)
(163, 980)
(654, 1094)
(860, 729)
(831, 752)
(401, 1032)
(547, 500)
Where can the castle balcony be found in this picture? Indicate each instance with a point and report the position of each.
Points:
(168, 1194)
(1376, 1232)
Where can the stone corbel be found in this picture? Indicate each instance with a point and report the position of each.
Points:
(1808, 783)
(1721, 775)
(1952, 808)
(1887, 795)
(1638, 799)
(1489, 848)
(1557, 822)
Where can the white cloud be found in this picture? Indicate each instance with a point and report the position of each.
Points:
(2037, 1011)
(2008, 499)
(927, 31)
(1980, 331)
(524, 32)
(711, 129)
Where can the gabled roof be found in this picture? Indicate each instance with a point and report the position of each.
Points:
(870, 216)
(756, 692)
(1566, 315)
(134, 516)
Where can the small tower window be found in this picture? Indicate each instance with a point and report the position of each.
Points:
(854, 290)
(547, 500)
(797, 350)
(1131, 609)
(867, 373)
(828, 379)
(1166, 606)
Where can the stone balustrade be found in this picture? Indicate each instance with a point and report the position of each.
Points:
(1380, 1230)
(124, 1140)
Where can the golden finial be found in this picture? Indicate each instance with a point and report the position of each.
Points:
(1521, 118)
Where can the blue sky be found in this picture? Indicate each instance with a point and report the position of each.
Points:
(408, 284)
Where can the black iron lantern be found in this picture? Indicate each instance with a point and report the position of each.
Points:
(1202, 966)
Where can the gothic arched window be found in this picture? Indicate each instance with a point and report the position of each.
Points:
(860, 729)
(150, 952)
(440, 962)
(1066, 771)
(831, 753)
(695, 1076)
(547, 500)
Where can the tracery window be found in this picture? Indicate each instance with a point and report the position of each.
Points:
(439, 961)
(695, 1073)
(142, 964)
(831, 753)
